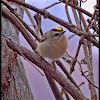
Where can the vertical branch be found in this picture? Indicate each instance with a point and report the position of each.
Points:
(37, 18)
(85, 27)
(32, 21)
(67, 13)
(75, 58)
(79, 26)
(88, 52)
(28, 28)
(54, 88)
(76, 18)
(92, 88)
(30, 17)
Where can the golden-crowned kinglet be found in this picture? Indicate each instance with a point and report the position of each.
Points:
(54, 43)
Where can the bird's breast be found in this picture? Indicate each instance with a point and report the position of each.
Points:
(53, 50)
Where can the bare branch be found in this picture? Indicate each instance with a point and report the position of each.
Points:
(53, 4)
(75, 58)
(85, 76)
(78, 8)
(67, 13)
(20, 27)
(54, 88)
(49, 70)
(93, 26)
(66, 72)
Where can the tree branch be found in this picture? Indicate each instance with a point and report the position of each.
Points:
(49, 70)
(78, 8)
(66, 72)
(54, 88)
(20, 27)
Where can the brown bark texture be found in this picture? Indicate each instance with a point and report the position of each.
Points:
(14, 84)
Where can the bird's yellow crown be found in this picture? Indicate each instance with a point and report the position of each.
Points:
(57, 28)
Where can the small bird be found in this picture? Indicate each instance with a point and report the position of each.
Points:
(53, 45)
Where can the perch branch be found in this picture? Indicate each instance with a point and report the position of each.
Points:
(49, 70)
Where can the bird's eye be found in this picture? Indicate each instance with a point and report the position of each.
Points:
(57, 34)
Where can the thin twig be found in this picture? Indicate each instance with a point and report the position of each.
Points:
(54, 88)
(37, 18)
(81, 84)
(53, 4)
(78, 8)
(83, 1)
(82, 71)
(76, 18)
(67, 13)
(75, 58)
(32, 21)
(30, 17)
(85, 76)
(93, 26)
(66, 72)
(29, 28)
(88, 52)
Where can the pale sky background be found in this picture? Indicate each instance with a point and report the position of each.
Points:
(38, 83)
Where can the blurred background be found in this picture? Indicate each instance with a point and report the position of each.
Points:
(38, 83)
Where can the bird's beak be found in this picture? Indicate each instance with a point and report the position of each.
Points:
(63, 32)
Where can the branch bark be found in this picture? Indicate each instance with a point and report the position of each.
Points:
(54, 88)
(49, 70)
